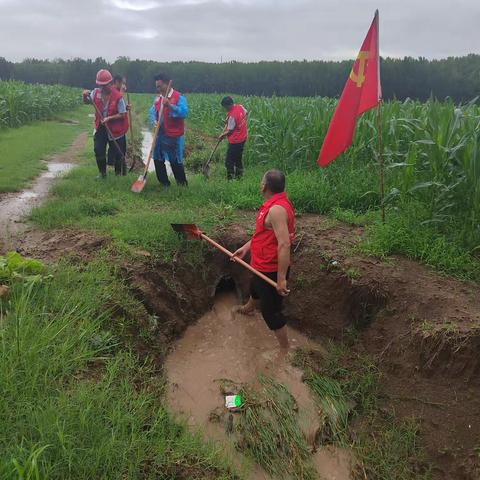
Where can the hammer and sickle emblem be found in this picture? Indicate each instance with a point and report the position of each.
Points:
(359, 77)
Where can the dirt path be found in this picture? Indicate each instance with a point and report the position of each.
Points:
(223, 345)
(14, 207)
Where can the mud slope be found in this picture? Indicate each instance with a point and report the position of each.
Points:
(422, 328)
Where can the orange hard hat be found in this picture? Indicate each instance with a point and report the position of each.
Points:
(104, 77)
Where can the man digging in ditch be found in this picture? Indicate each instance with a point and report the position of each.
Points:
(270, 254)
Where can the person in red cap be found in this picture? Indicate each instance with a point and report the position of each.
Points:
(111, 123)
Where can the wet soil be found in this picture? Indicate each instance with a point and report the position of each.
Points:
(421, 328)
(15, 207)
(224, 345)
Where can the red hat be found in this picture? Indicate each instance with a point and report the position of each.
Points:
(104, 77)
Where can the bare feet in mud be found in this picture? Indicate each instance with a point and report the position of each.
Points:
(244, 310)
(247, 309)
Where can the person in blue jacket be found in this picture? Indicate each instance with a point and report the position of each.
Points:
(156, 151)
(172, 129)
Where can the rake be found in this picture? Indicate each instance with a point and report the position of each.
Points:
(191, 232)
(139, 184)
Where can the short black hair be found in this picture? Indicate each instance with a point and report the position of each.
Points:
(227, 101)
(118, 78)
(275, 181)
(162, 77)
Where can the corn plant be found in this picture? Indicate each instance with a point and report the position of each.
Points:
(22, 103)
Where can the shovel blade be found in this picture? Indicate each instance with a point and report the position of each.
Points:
(139, 184)
(188, 230)
(206, 171)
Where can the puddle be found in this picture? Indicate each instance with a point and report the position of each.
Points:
(15, 206)
(222, 345)
(147, 138)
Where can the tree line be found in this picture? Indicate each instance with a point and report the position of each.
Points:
(417, 78)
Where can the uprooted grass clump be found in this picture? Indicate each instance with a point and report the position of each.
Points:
(345, 386)
(269, 431)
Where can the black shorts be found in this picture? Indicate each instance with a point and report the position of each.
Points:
(270, 301)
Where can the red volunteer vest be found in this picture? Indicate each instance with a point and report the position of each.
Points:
(174, 127)
(117, 127)
(264, 246)
(240, 133)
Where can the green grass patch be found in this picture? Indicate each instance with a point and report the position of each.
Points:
(270, 432)
(23, 149)
(75, 402)
(345, 386)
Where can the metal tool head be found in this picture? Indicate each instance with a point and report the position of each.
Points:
(188, 230)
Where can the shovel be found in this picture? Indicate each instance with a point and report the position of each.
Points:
(134, 160)
(139, 184)
(206, 165)
(110, 134)
(192, 232)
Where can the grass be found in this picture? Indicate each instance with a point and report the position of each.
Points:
(23, 149)
(345, 386)
(76, 403)
(269, 431)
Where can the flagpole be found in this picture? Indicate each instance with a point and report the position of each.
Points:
(379, 125)
(380, 159)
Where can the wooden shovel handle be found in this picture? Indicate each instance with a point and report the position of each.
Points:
(110, 133)
(157, 129)
(239, 260)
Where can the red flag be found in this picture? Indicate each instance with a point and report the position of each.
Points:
(361, 93)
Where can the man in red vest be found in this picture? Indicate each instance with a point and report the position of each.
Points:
(270, 254)
(175, 110)
(236, 133)
(110, 111)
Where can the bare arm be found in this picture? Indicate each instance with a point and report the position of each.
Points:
(242, 251)
(278, 219)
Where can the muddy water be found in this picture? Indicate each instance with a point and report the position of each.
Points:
(15, 206)
(222, 345)
(147, 139)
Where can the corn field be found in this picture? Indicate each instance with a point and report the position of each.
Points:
(22, 103)
(431, 152)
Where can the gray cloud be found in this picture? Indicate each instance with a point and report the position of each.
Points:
(245, 30)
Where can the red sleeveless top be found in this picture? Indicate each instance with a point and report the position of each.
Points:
(264, 246)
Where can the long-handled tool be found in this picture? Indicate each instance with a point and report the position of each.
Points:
(139, 184)
(110, 134)
(132, 138)
(192, 232)
(206, 165)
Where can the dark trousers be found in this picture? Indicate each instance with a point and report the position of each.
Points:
(270, 300)
(100, 142)
(233, 161)
(168, 147)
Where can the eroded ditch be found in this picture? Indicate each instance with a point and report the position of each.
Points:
(326, 304)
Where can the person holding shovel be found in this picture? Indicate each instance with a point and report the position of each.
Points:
(236, 133)
(120, 85)
(111, 123)
(172, 128)
(269, 251)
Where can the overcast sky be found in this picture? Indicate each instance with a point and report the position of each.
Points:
(245, 30)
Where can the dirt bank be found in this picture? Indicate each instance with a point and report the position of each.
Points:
(422, 329)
